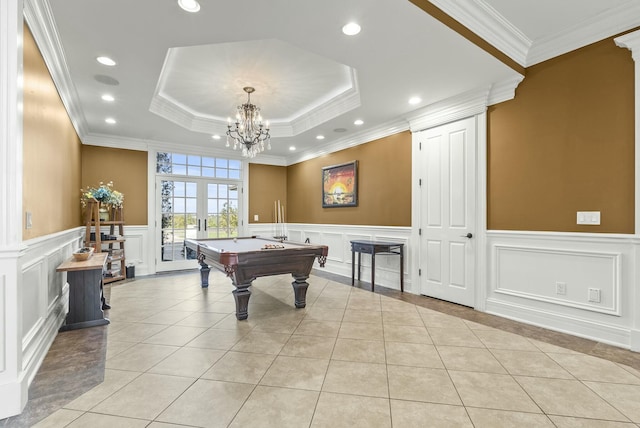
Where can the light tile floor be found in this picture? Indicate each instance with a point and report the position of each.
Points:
(176, 356)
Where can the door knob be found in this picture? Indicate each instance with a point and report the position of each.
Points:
(468, 235)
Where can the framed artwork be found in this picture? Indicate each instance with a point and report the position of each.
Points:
(340, 185)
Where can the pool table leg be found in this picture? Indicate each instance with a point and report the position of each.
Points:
(241, 294)
(300, 286)
(204, 272)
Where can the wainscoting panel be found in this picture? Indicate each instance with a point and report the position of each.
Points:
(34, 288)
(135, 247)
(53, 260)
(3, 316)
(335, 243)
(338, 238)
(581, 284)
(44, 296)
(579, 279)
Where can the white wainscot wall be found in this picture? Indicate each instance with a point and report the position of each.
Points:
(551, 280)
(43, 297)
(138, 250)
(338, 238)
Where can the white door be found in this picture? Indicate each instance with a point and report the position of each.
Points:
(447, 211)
(193, 209)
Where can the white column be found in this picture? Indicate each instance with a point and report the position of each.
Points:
(13, 386)
(631, 41)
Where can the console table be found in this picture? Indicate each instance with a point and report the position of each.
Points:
(85, 292)
(373, 248)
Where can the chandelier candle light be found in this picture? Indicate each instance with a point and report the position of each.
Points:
(249, 132)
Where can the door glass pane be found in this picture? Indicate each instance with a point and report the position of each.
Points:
(222, 215)
(179, 214)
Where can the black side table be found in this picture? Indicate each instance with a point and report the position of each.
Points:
(373, 248)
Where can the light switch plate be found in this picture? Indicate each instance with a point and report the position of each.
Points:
(588, 217)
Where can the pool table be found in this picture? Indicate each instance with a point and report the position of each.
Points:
(245, 259)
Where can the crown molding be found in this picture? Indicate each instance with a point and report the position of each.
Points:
(343, 103)
(630, 41)
(182, 115)
(39, 17)
(609, 23)
(504, 91)
(384, 130)
(461, 106)
(488, 24)
(174, 112)
(117, 142)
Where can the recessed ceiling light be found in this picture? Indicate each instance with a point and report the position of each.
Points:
(107, 97)
(358, 122)
(189, 5)
(292, 149)
(215, 137)
(105, 60)
(351, 29)
(320, 137)
(415, 100)
(110, 120)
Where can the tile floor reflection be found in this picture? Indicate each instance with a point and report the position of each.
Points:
(176, 356)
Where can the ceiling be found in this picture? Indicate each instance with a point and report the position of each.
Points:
(180, 75)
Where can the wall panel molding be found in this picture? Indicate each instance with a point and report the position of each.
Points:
(3, 321)
(577, 270)
(523, 268)
(338, 236)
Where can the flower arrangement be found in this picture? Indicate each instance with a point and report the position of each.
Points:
(103, 193)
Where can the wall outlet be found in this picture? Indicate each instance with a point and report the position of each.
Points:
(588, 217)
(28, 223)
(561, 288)
(256, 218)
(594, 295)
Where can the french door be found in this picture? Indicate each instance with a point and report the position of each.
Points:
(193, 208)
(447, 203)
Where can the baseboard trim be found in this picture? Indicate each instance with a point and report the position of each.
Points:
(588, 329)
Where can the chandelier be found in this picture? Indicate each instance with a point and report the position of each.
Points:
(248, 132)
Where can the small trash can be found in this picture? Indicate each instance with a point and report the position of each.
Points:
(131, 271)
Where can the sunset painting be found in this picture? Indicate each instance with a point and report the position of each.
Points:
(339, 185)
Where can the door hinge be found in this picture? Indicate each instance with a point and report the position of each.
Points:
(420, 145)
(419, 272)
(420, 182)
(419, 231)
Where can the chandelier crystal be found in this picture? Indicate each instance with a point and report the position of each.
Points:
(248, 132)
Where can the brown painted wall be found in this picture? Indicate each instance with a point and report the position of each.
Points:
(51, 151)
(384, 185)
(267, 184)
(128, 171)
(565, 144)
